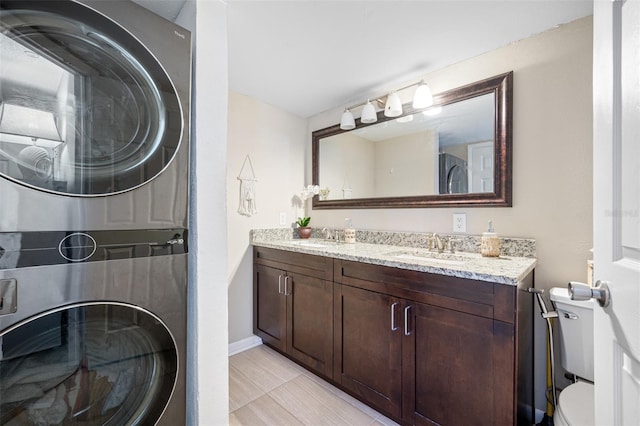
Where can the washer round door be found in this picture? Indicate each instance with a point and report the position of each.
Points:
(85, 108)
(99, 364)
(457, 180)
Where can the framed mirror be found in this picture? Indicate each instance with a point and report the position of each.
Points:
(456, 153)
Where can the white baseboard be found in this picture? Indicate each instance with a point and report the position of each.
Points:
(244, 344)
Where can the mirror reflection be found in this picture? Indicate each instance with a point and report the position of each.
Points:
(79, 113)
(442, 150)
(454, 153)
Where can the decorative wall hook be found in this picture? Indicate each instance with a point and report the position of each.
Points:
(247, 203)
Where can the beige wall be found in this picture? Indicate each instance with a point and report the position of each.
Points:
(552, 167)
(459, 150)
(552, 158)
(410, 174)
(350, 165)
(275, 142)
(552, 164)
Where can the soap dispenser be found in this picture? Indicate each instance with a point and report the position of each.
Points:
(349, 232)
(490, 244)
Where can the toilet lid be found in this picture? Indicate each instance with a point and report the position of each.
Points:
(575, 404)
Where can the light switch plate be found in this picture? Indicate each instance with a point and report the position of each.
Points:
(283, 218)
(459, 222)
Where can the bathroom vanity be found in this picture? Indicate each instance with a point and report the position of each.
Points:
(425, 338)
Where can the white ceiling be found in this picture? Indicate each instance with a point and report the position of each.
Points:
(309, 56)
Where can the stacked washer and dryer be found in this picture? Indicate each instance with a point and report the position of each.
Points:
(94, 147)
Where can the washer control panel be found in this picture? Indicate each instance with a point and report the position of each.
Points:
(77, 247)
(28, 249)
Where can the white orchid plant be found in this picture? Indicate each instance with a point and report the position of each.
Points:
(309, 192)
(304, 195)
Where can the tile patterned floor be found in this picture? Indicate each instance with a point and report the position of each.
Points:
(266, 388)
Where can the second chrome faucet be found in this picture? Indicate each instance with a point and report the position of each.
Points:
(440, 244)
(333, 236)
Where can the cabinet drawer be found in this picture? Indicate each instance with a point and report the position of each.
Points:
(306, 264)
(465, 295)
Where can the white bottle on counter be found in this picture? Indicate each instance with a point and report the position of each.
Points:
(349, 232)
(490, 244)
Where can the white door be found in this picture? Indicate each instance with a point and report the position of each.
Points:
(616, 210)
(480, 167)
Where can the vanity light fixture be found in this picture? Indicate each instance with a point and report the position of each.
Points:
(432, 111)
(347, 122)
(369, 113)
(405, 119)
(393, 107)
(422, 98)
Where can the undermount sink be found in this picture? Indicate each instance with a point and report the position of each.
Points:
(443, 258)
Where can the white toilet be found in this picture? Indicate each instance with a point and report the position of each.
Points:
(576, 401)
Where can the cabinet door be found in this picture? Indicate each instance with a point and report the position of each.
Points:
(455, 369)
(270, 307)
(368, 346)
(309, 322)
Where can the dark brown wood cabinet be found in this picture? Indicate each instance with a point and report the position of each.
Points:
(293, 306)
(368, 346)
(424, 349)
(452, 356)
(456, 342)
(270, 319)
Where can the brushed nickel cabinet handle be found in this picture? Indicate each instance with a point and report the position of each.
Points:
(407, 332)
(286, 286)
(394, 327)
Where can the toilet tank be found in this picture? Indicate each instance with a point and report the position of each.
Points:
(575, 333)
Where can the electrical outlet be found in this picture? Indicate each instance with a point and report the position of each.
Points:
(283, 218)
(459, 222)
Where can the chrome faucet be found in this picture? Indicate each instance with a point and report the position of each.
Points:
(440, 243)
(327, 233)
(331, 236)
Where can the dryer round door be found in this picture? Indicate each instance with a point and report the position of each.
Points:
(86, 109)
(94, 364)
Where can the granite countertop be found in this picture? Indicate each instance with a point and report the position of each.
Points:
(503, 270)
